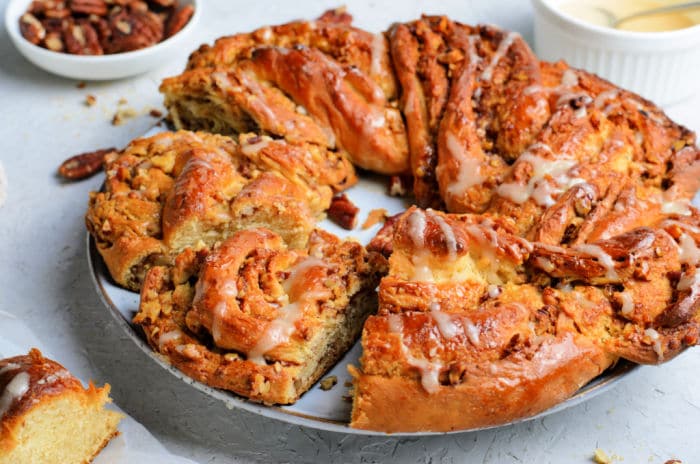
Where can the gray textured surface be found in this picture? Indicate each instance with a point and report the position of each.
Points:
(652, 416)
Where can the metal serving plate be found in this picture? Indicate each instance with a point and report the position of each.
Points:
(325, 410)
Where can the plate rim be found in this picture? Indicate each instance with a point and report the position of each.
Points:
(596, 386)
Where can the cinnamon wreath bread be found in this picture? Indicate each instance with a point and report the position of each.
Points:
(176, 190)
(258, 318)
(46, 416)
(567, 243)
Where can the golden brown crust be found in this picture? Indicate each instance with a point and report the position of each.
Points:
(477, 326)
(299, 94)
(262, 320)
(184, 189)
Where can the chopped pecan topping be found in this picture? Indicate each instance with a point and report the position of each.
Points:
(343, 212)
(83, 165)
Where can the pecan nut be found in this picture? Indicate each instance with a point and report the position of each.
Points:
(80, 38)
(83, 165)
(54, 41)
(31, 28)
(89, 7)
(179, 20)
(134, 30)
(343, 212)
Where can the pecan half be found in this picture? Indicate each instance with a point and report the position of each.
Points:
(178, 20)
(343, 212)
(54, 41)
(89, 7)
(81, 39)
(83, 165)
(31, 28)
(134, 30)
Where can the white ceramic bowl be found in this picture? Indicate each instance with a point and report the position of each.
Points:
(102, 67)
(660, 66)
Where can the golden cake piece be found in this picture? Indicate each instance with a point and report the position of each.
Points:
(46, 416)
(478, 327)
(262, 320)
(183, 189)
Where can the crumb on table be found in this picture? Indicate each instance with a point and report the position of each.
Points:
(329, 382)
(375, 216)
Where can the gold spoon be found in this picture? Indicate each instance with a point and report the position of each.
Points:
(614, 21)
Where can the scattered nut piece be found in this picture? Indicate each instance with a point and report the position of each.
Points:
(674, 461)
(383, 241)
(601, 457)
(122, 115)
(90, 100)
(399, 186)
(329, 382)
(374, 216)
(155, 113)
(343, 212)
(83, 165)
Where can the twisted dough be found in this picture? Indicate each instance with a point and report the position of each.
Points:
(572, 242)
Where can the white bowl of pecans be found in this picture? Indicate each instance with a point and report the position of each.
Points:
(100, 39)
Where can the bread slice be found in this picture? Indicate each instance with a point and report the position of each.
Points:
(257, 318)
(46, 416)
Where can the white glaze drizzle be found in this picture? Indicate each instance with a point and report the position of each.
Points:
(9, 367)
(445, 323)
(253, 148)
(448, 233)
(688, 251)
(429, 370)
(503, 47)
(279, 330)
(679, 207)
(417, 223)
(469, 171)
(378, 49)
(603, 258)
(627, 303)
(539, 187)
(14, 390)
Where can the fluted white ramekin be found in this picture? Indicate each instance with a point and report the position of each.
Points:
(663, 67)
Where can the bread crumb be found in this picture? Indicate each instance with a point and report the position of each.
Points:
(329, 382)
(155, 113)
(375, 216)
(90, 100)
(81, 85)
(122, 115)
(601, 457)
(348, 384)
(674, 461)
(122, 101)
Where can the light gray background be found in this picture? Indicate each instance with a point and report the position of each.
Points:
(652, 416)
